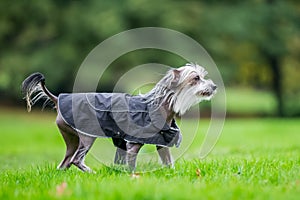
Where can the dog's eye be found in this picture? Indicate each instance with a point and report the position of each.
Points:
(197, 78)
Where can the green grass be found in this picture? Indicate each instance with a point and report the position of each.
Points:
(253, 159)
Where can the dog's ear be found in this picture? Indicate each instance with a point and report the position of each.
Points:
(176, 75)
(171, 79)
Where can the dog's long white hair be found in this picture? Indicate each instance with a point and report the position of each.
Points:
(182, 88)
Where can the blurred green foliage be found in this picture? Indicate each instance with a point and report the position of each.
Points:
(255, 43)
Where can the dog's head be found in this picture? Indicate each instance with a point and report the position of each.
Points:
(188, 87)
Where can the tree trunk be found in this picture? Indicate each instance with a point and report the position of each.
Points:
(277, 83)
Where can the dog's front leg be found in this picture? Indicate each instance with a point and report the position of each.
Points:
(120, 157)
(165, 156)
(132, 151)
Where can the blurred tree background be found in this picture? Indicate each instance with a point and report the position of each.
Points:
(255, 44)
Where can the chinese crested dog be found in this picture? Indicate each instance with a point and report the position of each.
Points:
(131, 121)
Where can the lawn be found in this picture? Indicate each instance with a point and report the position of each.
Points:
(253, 159)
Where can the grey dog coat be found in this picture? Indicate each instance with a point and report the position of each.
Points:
(120, 116)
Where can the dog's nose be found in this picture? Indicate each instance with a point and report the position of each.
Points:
(214, 87)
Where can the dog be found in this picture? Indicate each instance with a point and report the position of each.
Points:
(130, 120)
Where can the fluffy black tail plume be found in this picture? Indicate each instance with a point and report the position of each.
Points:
(33, 87)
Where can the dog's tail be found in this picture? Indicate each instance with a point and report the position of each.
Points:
(34, 89)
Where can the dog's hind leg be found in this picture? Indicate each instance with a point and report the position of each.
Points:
(85, 145)
(165, 156)
(72, 142)
(132, 151)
